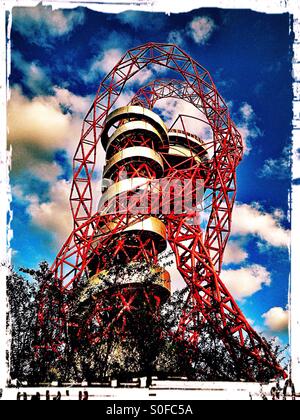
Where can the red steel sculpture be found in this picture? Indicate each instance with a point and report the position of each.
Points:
(142, 211)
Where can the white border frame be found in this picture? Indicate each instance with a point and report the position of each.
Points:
(167, 6)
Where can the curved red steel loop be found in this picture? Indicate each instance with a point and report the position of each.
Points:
(135, 60)
(226, 158)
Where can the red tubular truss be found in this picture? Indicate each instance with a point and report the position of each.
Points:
(198, 254)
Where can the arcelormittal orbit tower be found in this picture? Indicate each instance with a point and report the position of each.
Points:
(163, 187)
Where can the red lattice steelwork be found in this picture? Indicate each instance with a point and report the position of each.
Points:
(100, 239)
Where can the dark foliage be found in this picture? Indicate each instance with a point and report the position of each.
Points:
(152, 345)
(21, 320)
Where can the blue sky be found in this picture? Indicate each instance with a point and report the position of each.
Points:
(58, 61)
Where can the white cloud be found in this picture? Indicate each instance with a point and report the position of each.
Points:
(18, 192)
(168, 261)
(247, 111)
(277, 319)
(252, 220)
(34, 77)
(141, 77)
(46, 171)
(245, 282)
(278, 168)
(247, 126)
(234, 253)
(124, 98)
(53, 216)
(177, 281)
(131, 18)
(139, 20)
(40, 23)
(170, 108)
(176, 37)
(158, 69)
(37, 128)
(102, 63)
(74, 103)
(39, 120)
(109, 60)
(201, 29)
(44, 123)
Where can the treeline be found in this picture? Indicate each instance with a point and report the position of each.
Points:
(152, 346)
